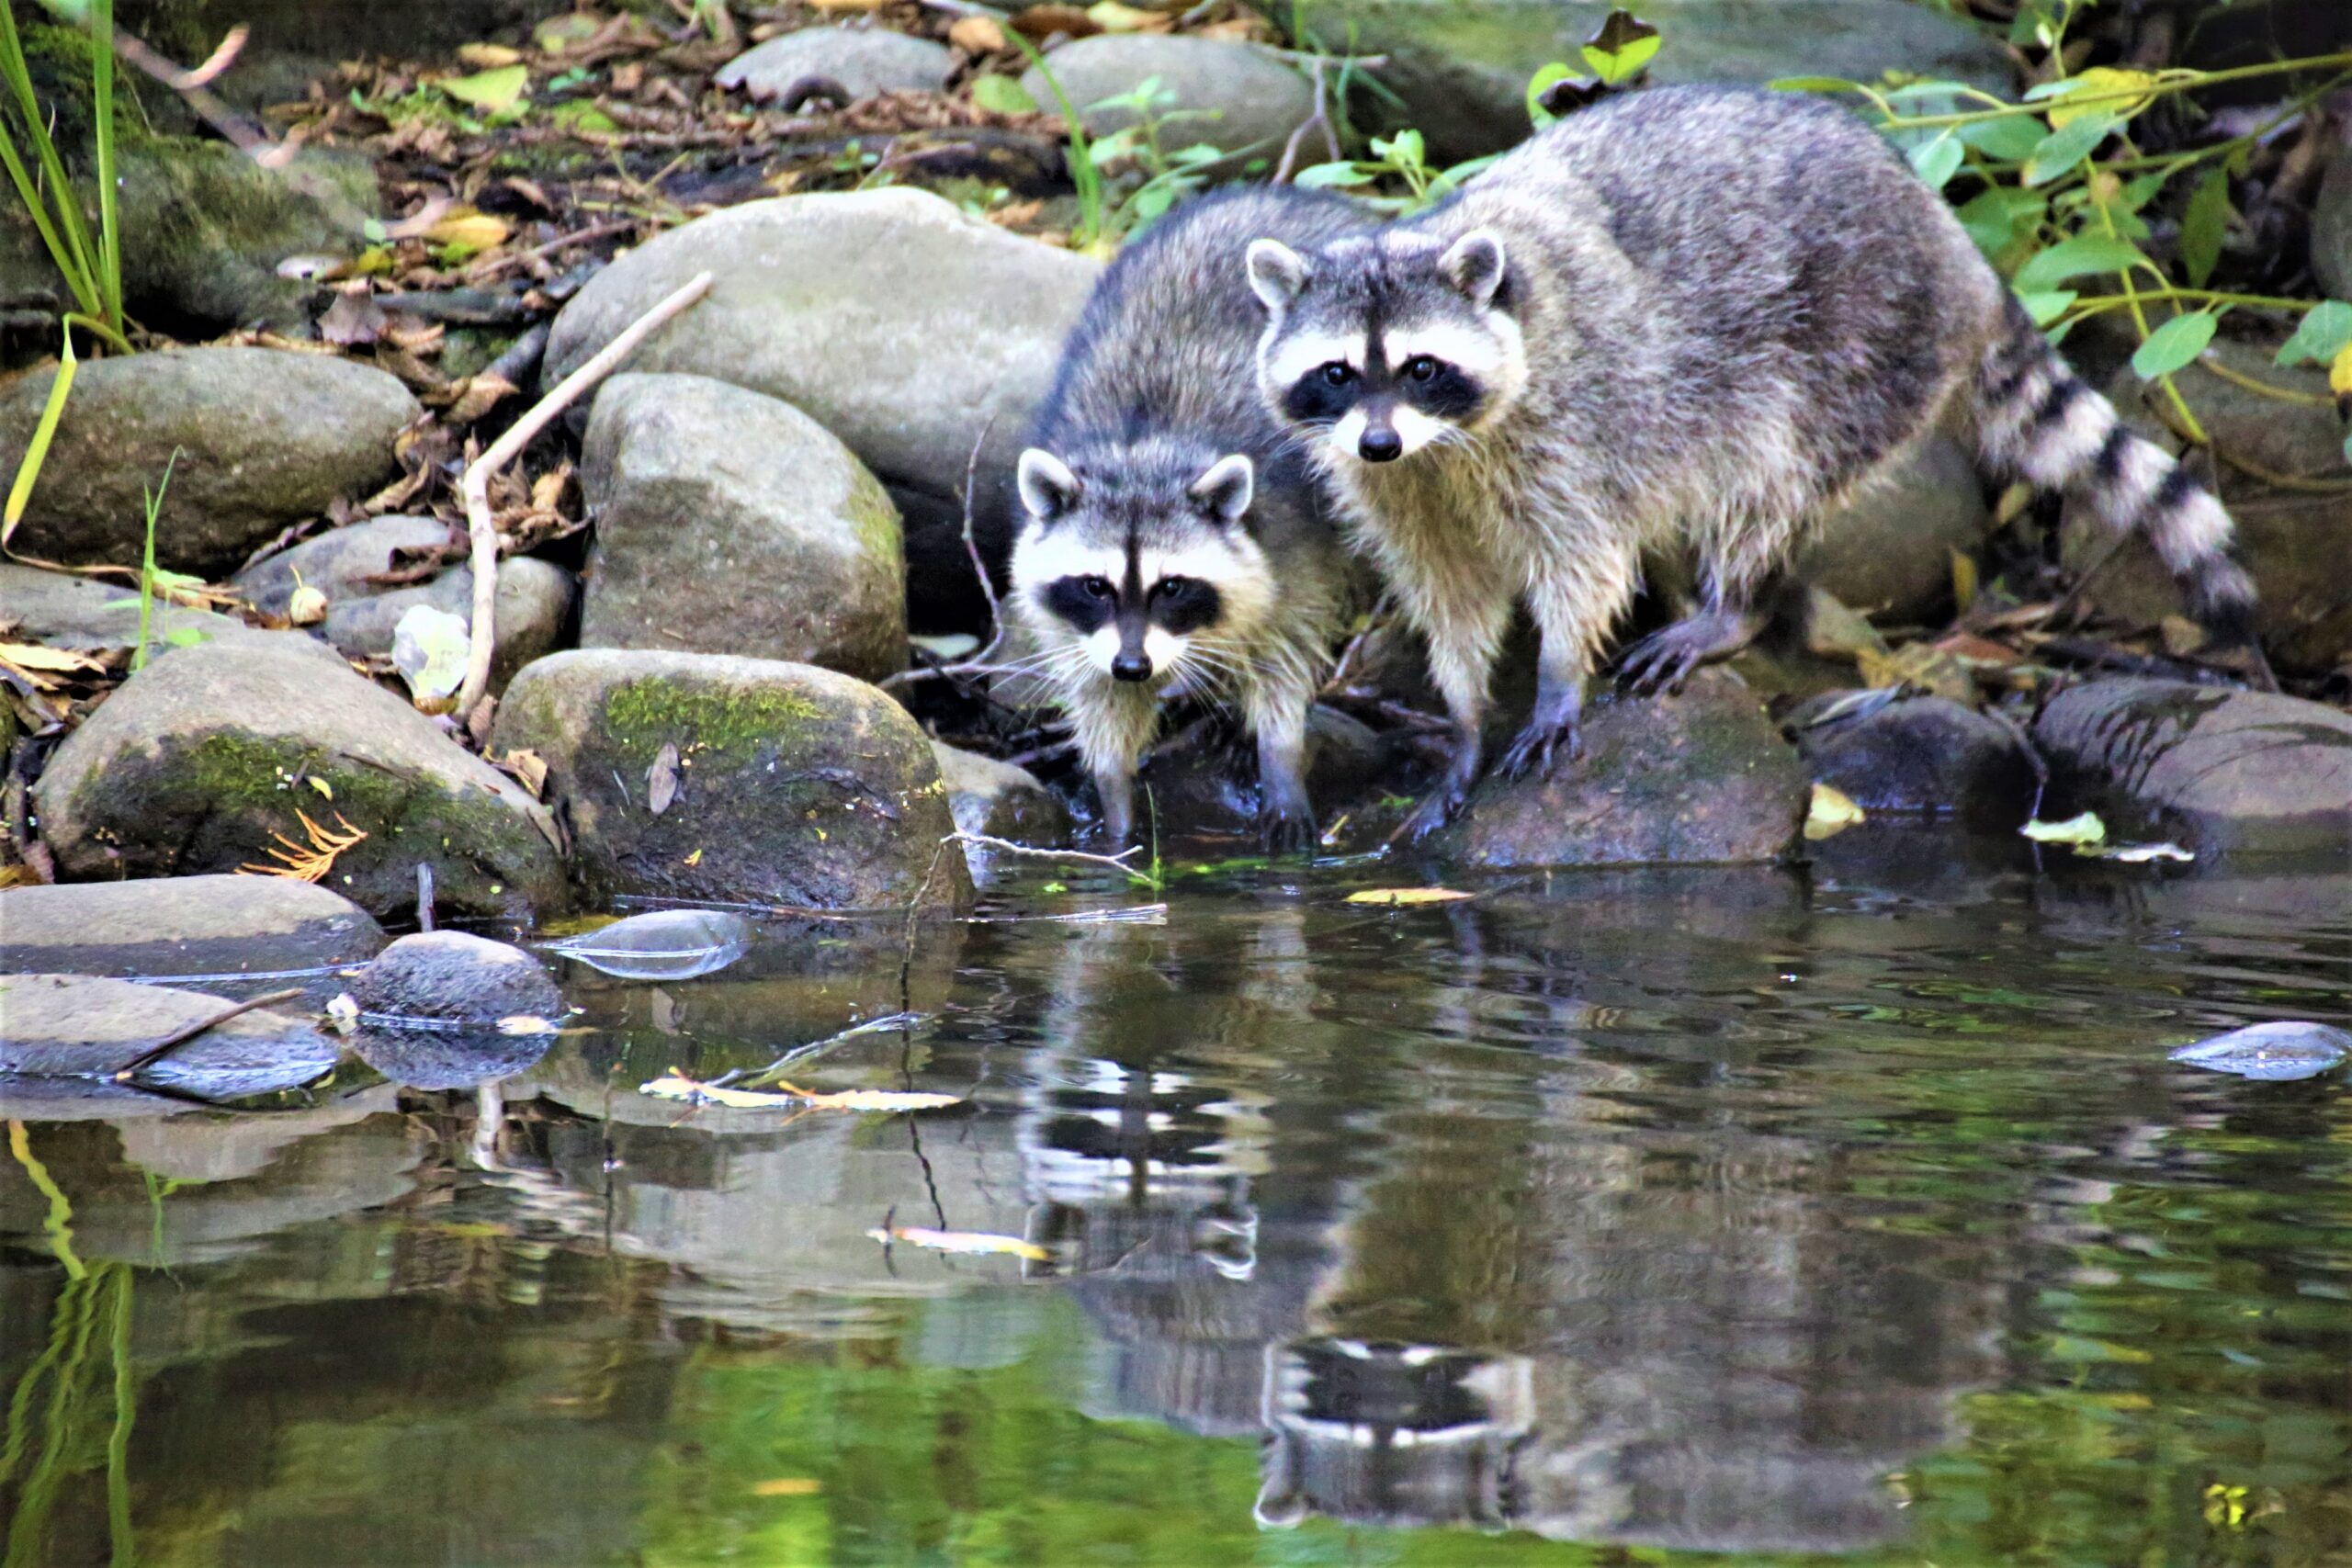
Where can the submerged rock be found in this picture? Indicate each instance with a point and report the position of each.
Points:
(83, 1026)
(730, 523)
(1888, 554)
(1926, 757)
(666, 944)
(2275, 1053)
(985, 796)
(441, 1058)
(264, 439)
(456, 977)
(862, 61)
(87, 616)
(198, 759)
(2204, 766)
(776, 783)
(182, 925)
(1702, 777)
(1254, 100)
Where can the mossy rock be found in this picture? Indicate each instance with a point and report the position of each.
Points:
(792, 785)
(201, 762)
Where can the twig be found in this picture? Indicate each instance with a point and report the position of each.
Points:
(1117, 863)
(483, 527)
(180, 1037)
(979, 664)
(1289, 165)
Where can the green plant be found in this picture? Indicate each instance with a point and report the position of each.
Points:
(154, 581)
(1401, 159)
(1092, 234)
(1168, 176)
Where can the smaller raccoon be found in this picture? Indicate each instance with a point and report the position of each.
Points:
(1177, 543)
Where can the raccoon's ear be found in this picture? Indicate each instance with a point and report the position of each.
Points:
(1225, 491)
(1276, 273)
(1474, 264)
(1047, 487)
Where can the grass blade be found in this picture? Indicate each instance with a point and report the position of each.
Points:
(59, 236)
(36, 449)
(109, 254)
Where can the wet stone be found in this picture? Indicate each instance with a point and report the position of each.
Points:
(182, 925)
(440, 1059)
(1205, 780)
(457, 978)
(58, 609)
(86, 1026)
(861, 60)
(1928, 757)
(1000, 799)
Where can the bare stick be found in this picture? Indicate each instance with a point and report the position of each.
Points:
(979, 664)
(483, 527)
(1117, 863)
(1284, 170)
(180, 1037)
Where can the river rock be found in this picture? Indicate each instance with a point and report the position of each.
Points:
(2292, 541)
(1926, 758)
(264, 438)
(790, 785)
(2332, 223)
(890, 317)
(456, 977)
(79, 1025)
(863, 61)
(534, 596)
(181, 925)
(1702, 777)
(1256, 101)
(1206, 782)
(1889, 553)
(2203, 766)
(1461, 67)
(89, 616)
(730, 523)
(197, 760)
(985, 796)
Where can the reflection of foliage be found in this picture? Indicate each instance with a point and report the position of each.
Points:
(70, 1413)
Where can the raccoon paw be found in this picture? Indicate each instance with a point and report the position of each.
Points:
(1662, 661)
(1437, 809)
(1542, 747)
(1288, 833)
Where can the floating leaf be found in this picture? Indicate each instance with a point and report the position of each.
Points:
(493, 90)
(2135, 854)
(1832, 812)
(2204, 225)
(1002, 95)
(2100, 81)
(2324, 334)
(2175, 346)
(2072, 258)
(2275, 1053)
(2084, 830)
(1392, 898)
(2059, 152)
(668, 944)
(788, 1097)
(968, 1243)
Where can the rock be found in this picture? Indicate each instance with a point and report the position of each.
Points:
(181, 925)
(2273, 1053)
(1000, 799)
(1701, 777)
(730, 523)
(439, 1058)
(534, 596)
(1208, 784)
(79, 1025)
(2206, 767)
(2291, 540)
(792, 785)
(1929, 757)
(197, 760)
(1461, 67)
(1257, 100)
(863, 61)
(265, 438)
(90, 616)
(1889, 553)
(892, 319)
(456, 977)
(2332, 223)
(294, 42)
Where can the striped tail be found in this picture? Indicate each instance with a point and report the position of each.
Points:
(2037, 419)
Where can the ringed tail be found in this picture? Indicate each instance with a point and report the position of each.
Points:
(2037, 419)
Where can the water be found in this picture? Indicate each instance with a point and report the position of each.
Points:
(1601, 1219)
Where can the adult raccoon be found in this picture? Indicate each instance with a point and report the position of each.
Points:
(1694, 320)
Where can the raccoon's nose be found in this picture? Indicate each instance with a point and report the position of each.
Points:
(1381, 444)
(1131, 667)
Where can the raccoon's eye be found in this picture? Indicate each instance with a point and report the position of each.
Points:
(1337, 374)
(1170, 590)
(1420, 367)
(1097, 587)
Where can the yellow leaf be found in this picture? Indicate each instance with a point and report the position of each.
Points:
(1963, 579)
(2084, 830)
(971, 1243)
(1393, 897)
(468, 231)
(788, 1097)
(33, 656)
(489, 56)
(977, 35)
(788, 1486)
(2098, 83)
(491, 90)
(523, 1023)
(322, 785)
(1832, 812)
(2340, 372)
(1114, 18)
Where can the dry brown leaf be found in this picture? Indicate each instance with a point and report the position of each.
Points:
(661, 779)
(477, 395)
(354, 319)
(489, 56)
(528, 768)
(1039, 23)
(977, 35)
(311, 863)
(29, 656)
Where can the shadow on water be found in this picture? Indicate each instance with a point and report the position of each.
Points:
(1727, 1211)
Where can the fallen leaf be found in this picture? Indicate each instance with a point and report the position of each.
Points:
(1001, 95)
(788, 1097)
(969, 1243)
(493, 90)
(1115, 17)
(2182, 637)
(695, 859)
(430, 648)
(2136, 854)
(977, 35)
(1394, 896)
(1964, 579)
(30, 656)
(2084, 830)
(1922, 665)
(468, 231)
(529, 767)
(788, 1486)
(489, 56)
(846, 5)
(523, 1023)
(1832, 812)
(1039, 23)
(661, 779)
(477, 395)
(325, 788)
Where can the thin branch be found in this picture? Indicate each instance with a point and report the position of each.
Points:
(1117, 863)
(480, 522)
(179, 1037)
(980, 663)
(1321, 116)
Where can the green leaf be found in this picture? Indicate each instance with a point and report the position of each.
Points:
(1322, 176)
(1002, 95)
(2072, 258)
(186, 636)
(2175, 344)
(2047, 305)
(493, 90)
(1623, 46)
(2059, 152)
(36, 449)
(1997, 218)
(2011, 139)
(1938, 160)
(1812, 84)
(1558, 71)
(1406, 150)
(2321, 336)
(2203, 226)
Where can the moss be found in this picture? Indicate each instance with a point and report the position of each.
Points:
(875, 519)
(728, 724)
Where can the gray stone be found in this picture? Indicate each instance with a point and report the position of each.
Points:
(442, 1057)
(1257, 100)
(1702, 777)
(1889, 553)
(897, 321)
(457, 978)
(81, 1025)
(294, 42)
(198, 759)
(730, 523)
(2291, 540)
(265, 438)
(534, 596)
(863, 61)
(2210, 768)
(1461, 67)
(999, 799)
(792, 785)
(89, 614)
(2332, 223)
(1206, 782)
(1929, 757)
(168, 926)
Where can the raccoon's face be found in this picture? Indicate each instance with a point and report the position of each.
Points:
(1382, 347)
(1138, 560)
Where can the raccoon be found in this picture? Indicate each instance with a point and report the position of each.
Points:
(1689, 321)
(1177, 542)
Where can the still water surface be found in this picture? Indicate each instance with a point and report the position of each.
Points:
(1601, 1219)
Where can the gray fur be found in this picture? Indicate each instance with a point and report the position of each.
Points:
(1157, 388)
(1722, 311)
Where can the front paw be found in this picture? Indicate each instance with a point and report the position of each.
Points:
(1287, 833)
(1542, 747)
(1437, 809)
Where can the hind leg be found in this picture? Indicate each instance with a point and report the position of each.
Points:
(1730, 619)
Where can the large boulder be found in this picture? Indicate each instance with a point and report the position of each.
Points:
(2204, 766)
(1928, 757)
(730, 523)
(168, 926)
(861, 60)
(533, 606)
(1459, 68)
(83, 1026)
(1254, 101)
(87, 615)
(779, 783)
(1888, 553)
(1701, 777)
(262, 438)
(200, 762)
(2291, 538)
(898, 323)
